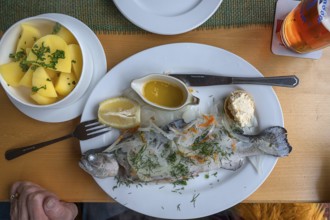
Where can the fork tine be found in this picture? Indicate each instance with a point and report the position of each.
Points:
(92, 135)
(89, 122)
(96, 128)
(90, 129)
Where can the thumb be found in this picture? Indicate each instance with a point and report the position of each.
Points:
(57, 210)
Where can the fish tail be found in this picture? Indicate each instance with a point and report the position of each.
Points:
(274, 141)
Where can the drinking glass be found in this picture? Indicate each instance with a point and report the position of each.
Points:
(307, 27)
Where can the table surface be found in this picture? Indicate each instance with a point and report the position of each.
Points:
(301, 177)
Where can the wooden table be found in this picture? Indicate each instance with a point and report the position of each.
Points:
(303, 176)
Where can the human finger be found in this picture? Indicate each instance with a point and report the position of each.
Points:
(35, 204)
(24, 190)
(13, 208)
(28, 201)
(13, 200)
(59, 210)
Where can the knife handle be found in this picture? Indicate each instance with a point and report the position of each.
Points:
(286, 81)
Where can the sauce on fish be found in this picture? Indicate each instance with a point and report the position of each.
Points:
(163, 93)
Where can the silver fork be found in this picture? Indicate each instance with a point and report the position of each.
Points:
(83, 131)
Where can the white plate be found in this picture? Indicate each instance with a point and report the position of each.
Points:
(218, 192)
(167, 17)
(99, 69)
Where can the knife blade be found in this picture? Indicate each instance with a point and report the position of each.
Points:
(210, 80)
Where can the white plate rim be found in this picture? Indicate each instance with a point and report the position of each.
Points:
(156, 205)
(99, 69)
(168, 25)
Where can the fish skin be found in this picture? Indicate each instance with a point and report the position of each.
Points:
(272, 141)
(180, 136)
(253, 145)
(99, 164)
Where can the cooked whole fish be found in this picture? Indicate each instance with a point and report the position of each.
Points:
(180, 151)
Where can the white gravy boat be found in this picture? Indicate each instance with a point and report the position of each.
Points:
(188, 99)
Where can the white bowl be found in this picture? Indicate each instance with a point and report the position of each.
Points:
(45, 25)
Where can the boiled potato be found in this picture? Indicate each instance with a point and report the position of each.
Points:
(28, 37)
(65, 34)
(28, 50)
(27, 78)
(49, 65)
(42, 83)
(12, 73)
(53, 75)
(65, 83)
(42, 100)
(76, 57)
(52, 53)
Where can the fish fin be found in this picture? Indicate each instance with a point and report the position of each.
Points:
(257, 162)
(273, 141)
(233, 164)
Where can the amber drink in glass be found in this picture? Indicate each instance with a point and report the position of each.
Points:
(307, 27)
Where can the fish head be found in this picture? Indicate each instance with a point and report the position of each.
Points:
(100, 165)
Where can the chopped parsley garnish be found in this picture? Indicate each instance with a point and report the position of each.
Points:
(42, 53)
(18, 55)
(36, 89)
(54, 57)
(57, 27)
(34, 67)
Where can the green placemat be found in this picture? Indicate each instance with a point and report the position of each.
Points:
(103, 16)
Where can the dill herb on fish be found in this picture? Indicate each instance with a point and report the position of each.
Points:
(178, 207)
(194, 199)
(202, 137)
(141, 162)
(179, 170)
(205, 148)
(122, 181)
(178, 190)
(180, 182)
(171, 158)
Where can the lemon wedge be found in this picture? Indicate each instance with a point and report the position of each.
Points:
(119, 112)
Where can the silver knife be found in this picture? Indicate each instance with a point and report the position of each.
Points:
(210, 80)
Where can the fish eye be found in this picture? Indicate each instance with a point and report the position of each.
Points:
(91, 157)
